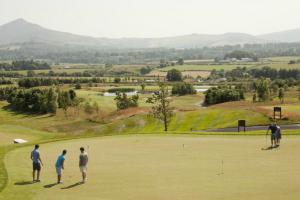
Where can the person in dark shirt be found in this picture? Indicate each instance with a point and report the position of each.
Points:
(273, 128)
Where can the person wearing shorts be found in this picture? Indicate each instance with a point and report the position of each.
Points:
(36, 163)
(278, 135)
(59, 165)
(273, 128)
(83, 161)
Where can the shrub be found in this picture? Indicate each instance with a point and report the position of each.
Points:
(124, 102)
(217, 95)
(183, 89)
(174, 75)
(77, 86)
(117, 80)
(145, 70)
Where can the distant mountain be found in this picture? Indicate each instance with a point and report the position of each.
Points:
(21, 31)
(283, 36)
(190, 41)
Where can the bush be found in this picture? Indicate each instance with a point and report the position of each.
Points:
(117, 80)
(145, 70)
(124, 102)
(77, 86)
(183, 89)
(174, 75)
(217, 95)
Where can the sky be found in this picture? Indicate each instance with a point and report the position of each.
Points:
(155, 18)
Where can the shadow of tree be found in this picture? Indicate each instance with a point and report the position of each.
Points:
(24, 114)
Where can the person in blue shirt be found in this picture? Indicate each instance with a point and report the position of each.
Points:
(36, 163)
(59, 165)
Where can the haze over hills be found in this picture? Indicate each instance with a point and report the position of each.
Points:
(283, 36)
(21, 31)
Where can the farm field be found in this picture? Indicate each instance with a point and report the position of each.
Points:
(189, 73)
(162, 167)
(72, 68)
(204, 69)
(207, 67)
(188, 69)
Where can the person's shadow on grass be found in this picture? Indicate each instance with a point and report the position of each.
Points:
(24, 183)
(268, 148)
(50, 185)
(72, 186)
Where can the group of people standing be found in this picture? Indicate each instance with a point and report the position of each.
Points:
(59, 165)
(275, 134)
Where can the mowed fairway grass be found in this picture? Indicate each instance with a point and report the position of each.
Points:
(147, 167)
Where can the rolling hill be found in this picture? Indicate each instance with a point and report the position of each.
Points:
(283, 36)
(21, 31)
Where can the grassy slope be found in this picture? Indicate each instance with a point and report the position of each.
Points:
(47, 128)
(191, 116)
(152, 167)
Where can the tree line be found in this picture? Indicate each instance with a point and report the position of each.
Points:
(24, 65)
(74, 54)
(4, 81)
(36, 82)
(264, 72)
(238, 54)
(38, 100)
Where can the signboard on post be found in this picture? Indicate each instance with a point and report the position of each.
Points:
(242, 123)
(275, 111)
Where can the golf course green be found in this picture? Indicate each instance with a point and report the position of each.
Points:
(147, 167)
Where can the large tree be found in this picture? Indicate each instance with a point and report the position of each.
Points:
(263, 89)
(281, 94)
(52, 100)
(161, 108)
(174, 75)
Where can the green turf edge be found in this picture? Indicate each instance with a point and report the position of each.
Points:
(5, 149)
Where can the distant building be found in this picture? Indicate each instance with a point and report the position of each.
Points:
(247, 60)
(231, 60)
